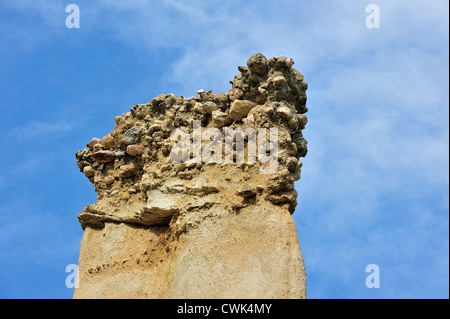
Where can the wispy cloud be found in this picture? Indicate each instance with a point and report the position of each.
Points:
(20, 232)
(35, 128)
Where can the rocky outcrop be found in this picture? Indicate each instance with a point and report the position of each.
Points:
(195, 195)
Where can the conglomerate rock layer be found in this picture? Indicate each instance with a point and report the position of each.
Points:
(195, 195)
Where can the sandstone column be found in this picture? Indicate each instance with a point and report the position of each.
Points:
(195, 195)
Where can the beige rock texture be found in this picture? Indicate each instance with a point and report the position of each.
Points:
(199, 228)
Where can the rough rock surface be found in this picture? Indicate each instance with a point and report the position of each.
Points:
(198, 228)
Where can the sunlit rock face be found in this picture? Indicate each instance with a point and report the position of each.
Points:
(195, 195)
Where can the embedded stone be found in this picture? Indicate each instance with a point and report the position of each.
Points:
(135, 150)
(246, 191)
(235, 94)
(155, 127)
(180, 167)
(109, 180)
(132, 135)
(120, 153)
(93, 142)
(279, 81)
(240, 109)
(108, 141)
(127, 170)
(98, 147)
(257, 64)
(88, 171)
(104, 156)
(302, 120)
(209, 107)
(285, 112)
(221, 119)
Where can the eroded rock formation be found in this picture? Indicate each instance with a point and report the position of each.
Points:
(212, 222)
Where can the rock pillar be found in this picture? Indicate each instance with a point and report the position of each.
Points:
(195, 195)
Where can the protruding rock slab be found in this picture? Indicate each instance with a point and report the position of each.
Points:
(253, 254)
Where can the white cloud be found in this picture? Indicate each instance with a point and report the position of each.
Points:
(36, 128)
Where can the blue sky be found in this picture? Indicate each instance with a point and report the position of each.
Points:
(374, 187)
